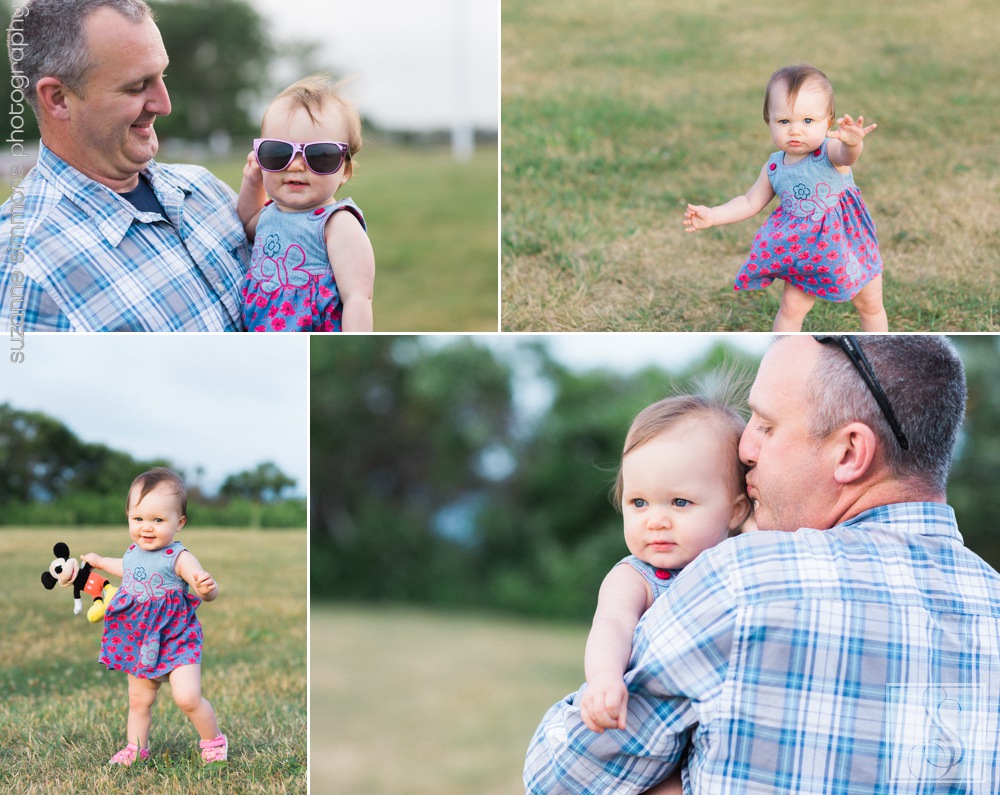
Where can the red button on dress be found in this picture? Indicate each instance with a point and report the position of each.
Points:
(663, 574)
(773, 166)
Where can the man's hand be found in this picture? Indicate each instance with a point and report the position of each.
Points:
(605, 703)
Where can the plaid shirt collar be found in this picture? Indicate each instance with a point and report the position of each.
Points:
(112, 214)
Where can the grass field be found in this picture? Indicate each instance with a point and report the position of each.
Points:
(406, 702)
(62, 715)
(432, 222)
(614, 117)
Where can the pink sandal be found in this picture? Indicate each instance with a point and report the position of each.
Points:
(214, 750)
(129, 754)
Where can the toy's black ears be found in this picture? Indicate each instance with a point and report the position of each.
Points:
(61, 549)
(48, 580)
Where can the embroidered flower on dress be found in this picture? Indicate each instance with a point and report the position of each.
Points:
(272, 245)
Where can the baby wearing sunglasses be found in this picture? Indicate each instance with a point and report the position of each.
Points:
(312, 267)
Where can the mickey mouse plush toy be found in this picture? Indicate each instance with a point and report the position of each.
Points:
(65, 571)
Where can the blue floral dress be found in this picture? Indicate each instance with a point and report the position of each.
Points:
(290, 285)
(150, 627)
(821, 238)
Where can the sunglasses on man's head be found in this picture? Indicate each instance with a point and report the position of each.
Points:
(850, 346)
(322, 157)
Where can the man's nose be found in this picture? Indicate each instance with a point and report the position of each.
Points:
(748, 448)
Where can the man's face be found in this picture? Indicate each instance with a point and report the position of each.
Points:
(791, 474)
(112, 123)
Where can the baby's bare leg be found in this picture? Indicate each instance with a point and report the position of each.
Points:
(141, 695)
(795, 305)
(185, 684)
(869, 304)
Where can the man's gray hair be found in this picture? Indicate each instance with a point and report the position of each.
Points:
(55, 44)
(924, 379)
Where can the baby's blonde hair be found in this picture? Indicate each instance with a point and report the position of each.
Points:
(794, 78)
(714, 404)
(312, 93)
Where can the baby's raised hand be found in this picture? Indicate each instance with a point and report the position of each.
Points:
(203, 583)
(252, 175)
(605, 702)
(851, 132)
(698, 217)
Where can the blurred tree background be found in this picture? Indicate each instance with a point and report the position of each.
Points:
(48, 476)
(433, 483)
(221, 60)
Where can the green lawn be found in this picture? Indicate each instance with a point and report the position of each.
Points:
(62, 715)
(408, 702)
(615, 116)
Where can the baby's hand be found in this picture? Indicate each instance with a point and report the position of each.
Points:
(92, 558)
(252, 175)
(605, 703)
(851, 132)
(698, 217)
(203, 583)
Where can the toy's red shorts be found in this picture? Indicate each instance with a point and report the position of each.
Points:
(95, 584)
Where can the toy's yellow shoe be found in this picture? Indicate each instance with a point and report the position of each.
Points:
(96, 611)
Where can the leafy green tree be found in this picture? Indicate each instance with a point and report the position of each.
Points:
(220, 55)
(401, 432)
(972, 488)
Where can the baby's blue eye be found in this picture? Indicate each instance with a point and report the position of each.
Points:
(809, 121)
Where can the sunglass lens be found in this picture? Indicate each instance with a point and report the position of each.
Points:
(274, 155)
(324, 158)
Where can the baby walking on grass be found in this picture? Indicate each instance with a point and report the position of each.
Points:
(312, 266)
(681, 491)
(820, 240)
(150, 628)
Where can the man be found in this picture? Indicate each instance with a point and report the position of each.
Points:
(98, 236)
(862, 657)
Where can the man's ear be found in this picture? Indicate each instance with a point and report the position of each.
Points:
(52, 97)
(856, 445)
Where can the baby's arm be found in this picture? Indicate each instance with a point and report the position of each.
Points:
(848, 140)
(739, 209)
(193, 574)
(623, 598)
(353, 263)
(110, 565)
(252, 196)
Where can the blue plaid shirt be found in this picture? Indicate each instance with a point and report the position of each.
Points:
(75, 256)
(861, 659)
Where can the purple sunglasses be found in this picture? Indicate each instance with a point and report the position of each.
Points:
(322, 157)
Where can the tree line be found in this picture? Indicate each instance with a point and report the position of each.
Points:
(431, 482)
(222, 57)
(49, 476)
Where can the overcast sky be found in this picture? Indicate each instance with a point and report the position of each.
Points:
(221, 402)
(416, 65)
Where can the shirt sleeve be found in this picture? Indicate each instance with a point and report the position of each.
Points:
(680, 661)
